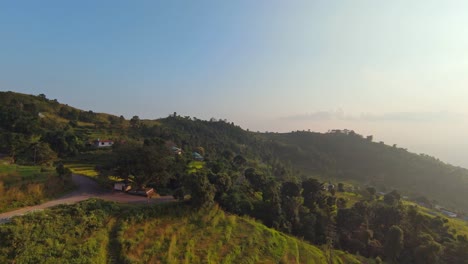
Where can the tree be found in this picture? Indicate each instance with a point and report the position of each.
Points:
(202, 192)
(147, 164)
(393, 243)
(428, 252)
(40, 153)
(200, 150)
(257, 180)
(222, 183)
(135, 122)
(62, 171)
(239, 161)
(372, 191)
(312, 192)
(290, 189)
(392, 197)
(341, 203)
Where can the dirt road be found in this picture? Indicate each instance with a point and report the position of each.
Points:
(87, 188)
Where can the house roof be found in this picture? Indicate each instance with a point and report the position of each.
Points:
(197, 155)
(105, 141)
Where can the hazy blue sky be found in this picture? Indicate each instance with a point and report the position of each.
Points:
(394, 69)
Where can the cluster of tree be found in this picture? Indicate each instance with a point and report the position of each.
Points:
(36, 130)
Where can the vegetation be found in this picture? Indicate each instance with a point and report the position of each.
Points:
(274, 178)
(29, 185)
(95, 231)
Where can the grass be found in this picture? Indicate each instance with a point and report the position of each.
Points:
(15, 174)
(187, 236)
(350, 197)
(29, 185)
(95, 231)
(83, 169)
(195, 166)
(460, 225)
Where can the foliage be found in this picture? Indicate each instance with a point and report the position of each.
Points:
(29, 185)
(95, 231)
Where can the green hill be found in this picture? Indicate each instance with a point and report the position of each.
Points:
(95, 231)
(271, 177)
(26, 120)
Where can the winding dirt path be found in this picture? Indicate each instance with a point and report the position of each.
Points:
(87, 188)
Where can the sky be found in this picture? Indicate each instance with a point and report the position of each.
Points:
(396, 70)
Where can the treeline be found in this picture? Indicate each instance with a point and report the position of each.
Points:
(383, 229)
(346, 155)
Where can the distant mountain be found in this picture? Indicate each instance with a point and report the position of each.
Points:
(27, 120)
(347, 156)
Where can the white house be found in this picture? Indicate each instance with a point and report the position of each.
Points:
(103, 143)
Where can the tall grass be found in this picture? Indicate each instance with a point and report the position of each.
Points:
(29, 185)
(95, 231)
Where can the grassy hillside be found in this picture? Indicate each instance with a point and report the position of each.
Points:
(95, 231)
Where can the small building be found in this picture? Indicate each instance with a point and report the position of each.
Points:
(176, 151)
(123, 186)
(103, 143)
(197, 156)
(449, 214)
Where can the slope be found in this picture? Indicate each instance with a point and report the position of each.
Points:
(95, 231)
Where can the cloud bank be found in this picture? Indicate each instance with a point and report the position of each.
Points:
(410, 117)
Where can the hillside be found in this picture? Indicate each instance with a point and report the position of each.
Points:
(95, 231)
(347, 156)
(27, 121)
(277, 179)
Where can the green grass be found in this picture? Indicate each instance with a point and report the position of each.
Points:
(96, 231)
(185, 236)
(83, 169)
(16, 175)
(195, 166)
(460, 225)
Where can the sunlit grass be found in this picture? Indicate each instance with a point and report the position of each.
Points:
(83, 169)
(214, 237)
(195, 166)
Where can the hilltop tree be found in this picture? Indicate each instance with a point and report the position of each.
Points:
(135, 122)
